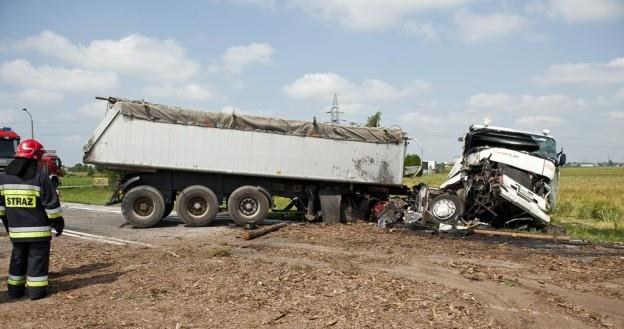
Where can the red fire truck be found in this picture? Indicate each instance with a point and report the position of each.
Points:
(8, 144)
(52, 163)
(9, 140)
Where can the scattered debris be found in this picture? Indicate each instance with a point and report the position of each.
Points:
(522, 235)
(251, 234)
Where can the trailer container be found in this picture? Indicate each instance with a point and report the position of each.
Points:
(200, 159)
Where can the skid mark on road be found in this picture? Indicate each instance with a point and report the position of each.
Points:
(88, 208)
(104, 239)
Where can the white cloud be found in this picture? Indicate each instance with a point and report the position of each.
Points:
(238, 110)
(423, 30)
(474, 28)
(7, 117)
(495, 101)
(236, 59)
(323, 85)
(579, 11)
(191, 91)
(538, 121)
(30, 96)
(21, 72)
(264, 3)
(352, 108)
(134, 54)
(372, 14)
(611, 72)
(616, 115)
(73, 139)
(418, 119)
(524, 104)
(94, 109)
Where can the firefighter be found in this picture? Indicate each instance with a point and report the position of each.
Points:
(29, 209)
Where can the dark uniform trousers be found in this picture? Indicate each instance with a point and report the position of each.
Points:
(29, 269)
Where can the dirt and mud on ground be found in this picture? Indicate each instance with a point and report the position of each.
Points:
(314, 276)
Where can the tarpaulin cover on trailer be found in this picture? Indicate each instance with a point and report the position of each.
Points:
(160, 113)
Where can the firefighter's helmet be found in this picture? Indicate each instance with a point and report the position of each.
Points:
(30, 149)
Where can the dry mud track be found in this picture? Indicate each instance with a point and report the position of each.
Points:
(344, 276)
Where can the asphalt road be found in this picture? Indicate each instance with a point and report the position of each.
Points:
(105, 223)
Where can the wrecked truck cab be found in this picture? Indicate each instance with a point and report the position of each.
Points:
(504, 178)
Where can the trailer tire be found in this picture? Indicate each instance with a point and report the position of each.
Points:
(143, 206)
(197, 205)
(446, 208)
(248, 205)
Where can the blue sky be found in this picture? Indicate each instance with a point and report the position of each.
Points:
(432, 67)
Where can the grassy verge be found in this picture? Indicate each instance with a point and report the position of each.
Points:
(79, 189)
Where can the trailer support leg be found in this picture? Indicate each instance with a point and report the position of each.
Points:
(330, 205)
(310, 214)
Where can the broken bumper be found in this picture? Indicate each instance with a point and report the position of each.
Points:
(525, 199)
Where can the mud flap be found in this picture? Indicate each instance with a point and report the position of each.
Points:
(330, 206)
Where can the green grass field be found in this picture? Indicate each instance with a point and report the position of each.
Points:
(590, 205)
(80, 189)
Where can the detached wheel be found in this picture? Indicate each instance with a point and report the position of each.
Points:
(248, 205)
(197, 205)
(143, 206)
(446, 208)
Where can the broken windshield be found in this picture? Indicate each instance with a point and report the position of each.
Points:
(541, 146)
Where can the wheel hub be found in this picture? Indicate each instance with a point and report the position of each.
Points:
(444, 209)
(197, 206)
(248, 206)
(143, 206)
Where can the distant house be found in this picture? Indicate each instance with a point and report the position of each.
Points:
(429, 167)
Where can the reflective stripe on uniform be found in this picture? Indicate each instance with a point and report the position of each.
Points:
(2, 211)
(16, 280)
(37, 281)
(20, 192)
(20, 187)
(30, 229)
(30, 232)
(54, 213)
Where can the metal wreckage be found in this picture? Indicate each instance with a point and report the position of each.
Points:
(504, 179)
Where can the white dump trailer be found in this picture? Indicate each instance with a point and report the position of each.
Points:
(199, 159)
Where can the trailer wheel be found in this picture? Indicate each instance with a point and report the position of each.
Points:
(143, 206)
(248, 205)
(446, 208)
(197, 205)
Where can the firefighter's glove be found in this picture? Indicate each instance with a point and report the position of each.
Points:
(58, 224)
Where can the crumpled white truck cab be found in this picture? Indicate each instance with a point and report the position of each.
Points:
(504, 178)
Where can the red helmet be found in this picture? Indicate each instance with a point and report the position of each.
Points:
(30, 149)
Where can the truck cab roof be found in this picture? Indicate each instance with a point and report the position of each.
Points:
(503, 129)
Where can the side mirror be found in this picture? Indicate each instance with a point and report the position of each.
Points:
(562, 159)
(460, 139)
